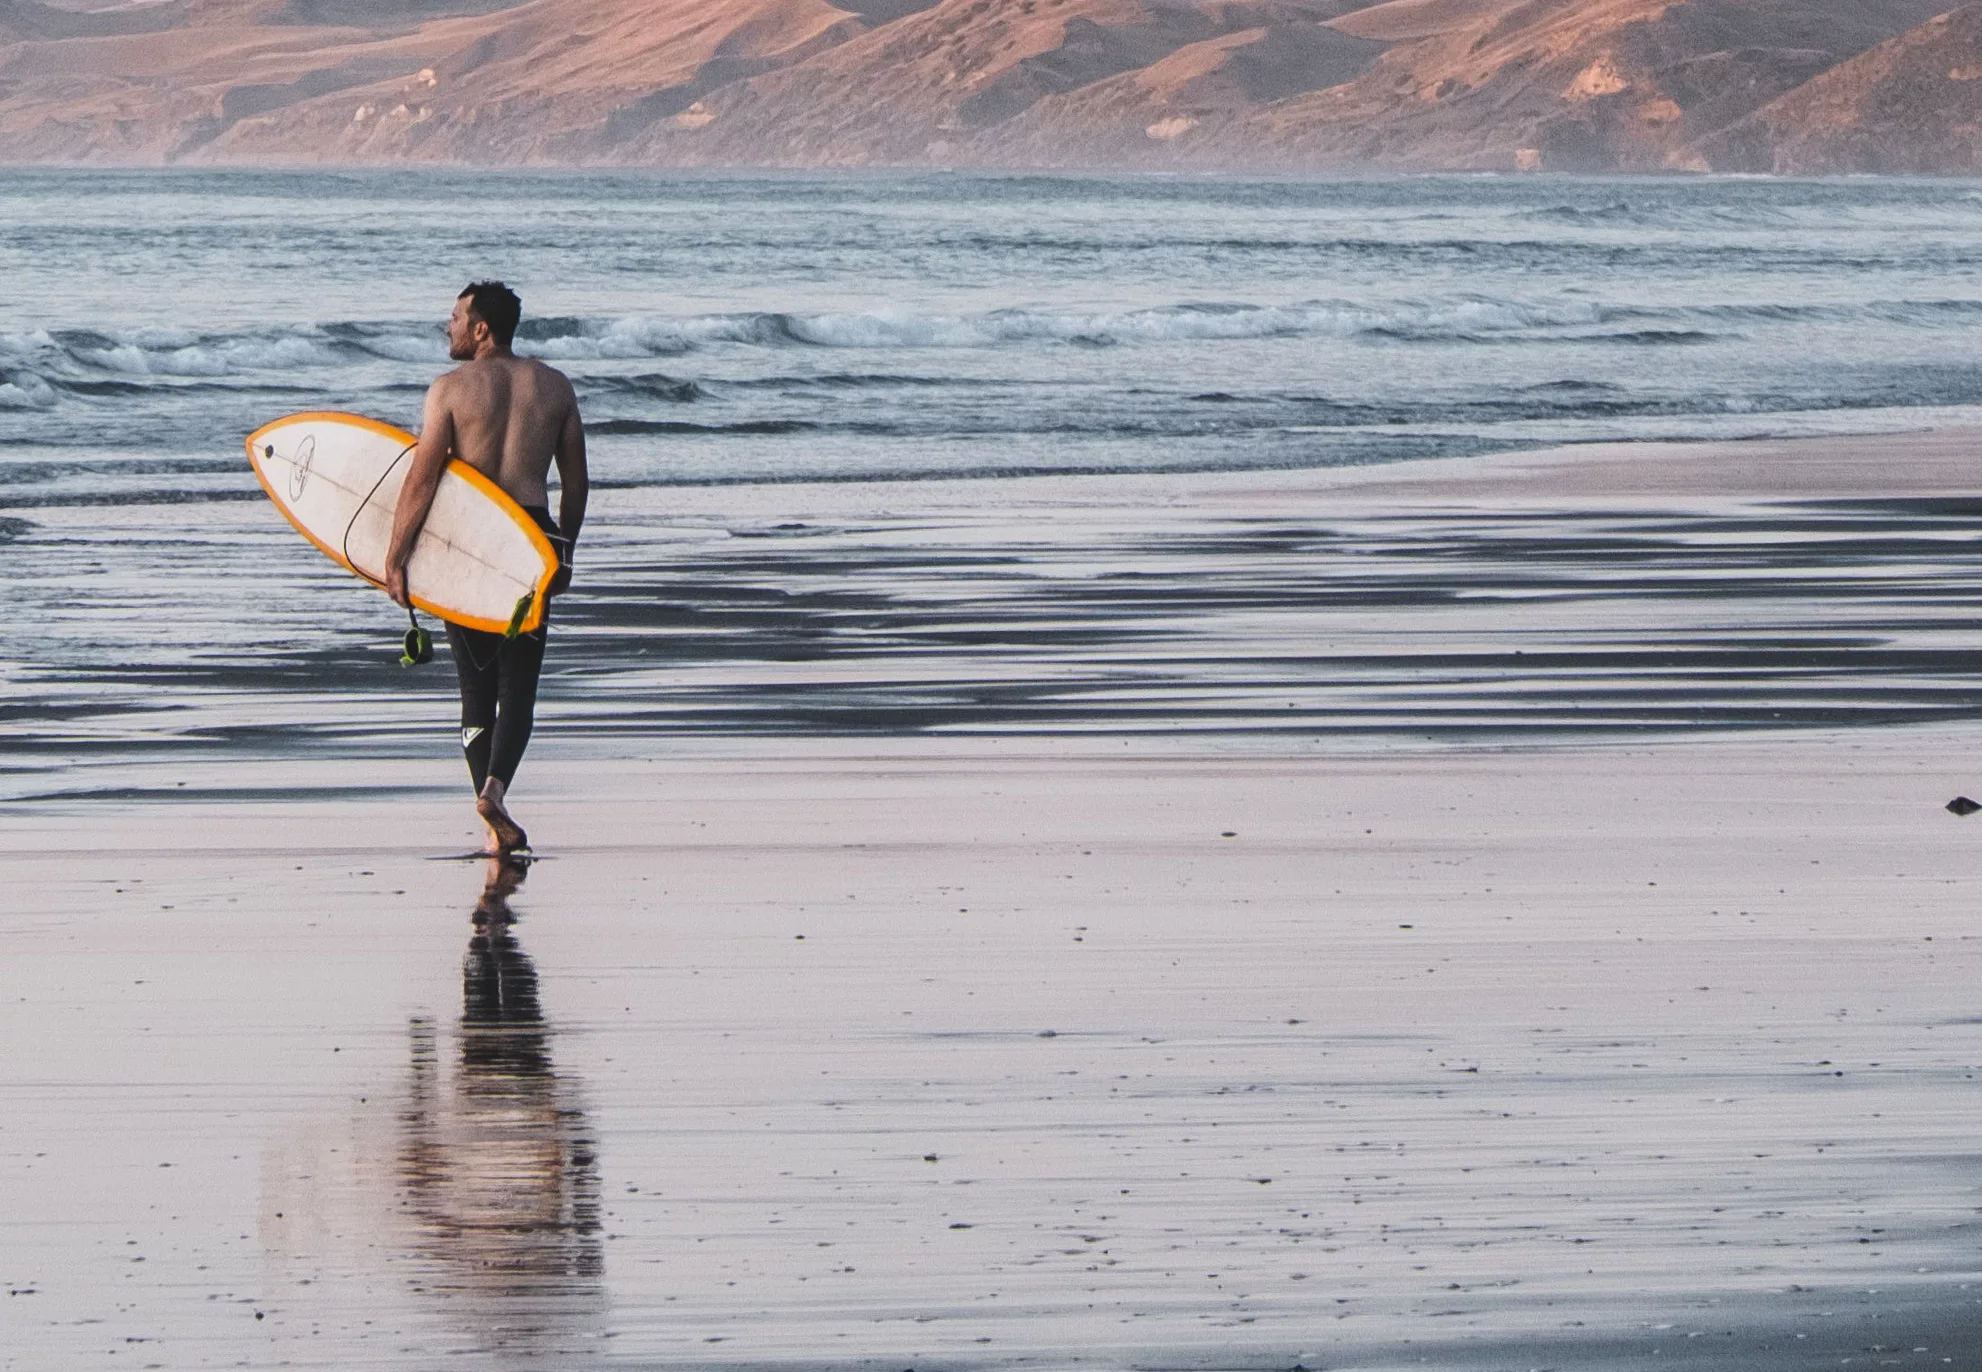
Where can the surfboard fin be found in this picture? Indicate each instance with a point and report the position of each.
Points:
(516, 616)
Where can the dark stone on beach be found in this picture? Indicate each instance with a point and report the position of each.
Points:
(1963, 806)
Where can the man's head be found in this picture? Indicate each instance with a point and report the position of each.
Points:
(486, 311)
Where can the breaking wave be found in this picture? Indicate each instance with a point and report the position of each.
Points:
(37, 368)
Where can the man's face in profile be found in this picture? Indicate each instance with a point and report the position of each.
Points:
(461, 331)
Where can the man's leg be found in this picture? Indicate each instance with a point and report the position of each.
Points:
(520, 663)
(517, 663)
(476, 665)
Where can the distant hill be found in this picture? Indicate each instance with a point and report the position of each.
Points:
(1582, 85)
(1572, 85)
(1913, 104)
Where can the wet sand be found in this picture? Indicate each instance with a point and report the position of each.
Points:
(1088, 1043)
(1618, 593)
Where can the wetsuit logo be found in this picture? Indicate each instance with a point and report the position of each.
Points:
(300, 477)
(469, 733)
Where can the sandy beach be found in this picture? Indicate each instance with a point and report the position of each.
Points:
(1481, 914)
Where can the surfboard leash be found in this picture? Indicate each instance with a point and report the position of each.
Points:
(418, 645)
(345, 545)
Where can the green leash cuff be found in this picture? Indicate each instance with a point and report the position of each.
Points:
(523, 605)
(417, 646)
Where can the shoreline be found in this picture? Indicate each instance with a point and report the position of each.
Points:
(1613, 592)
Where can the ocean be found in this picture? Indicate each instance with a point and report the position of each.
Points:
(856, 328)
(860, 327)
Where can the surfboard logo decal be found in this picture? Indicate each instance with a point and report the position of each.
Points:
(300, 476)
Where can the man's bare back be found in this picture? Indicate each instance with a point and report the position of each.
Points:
(509, 418)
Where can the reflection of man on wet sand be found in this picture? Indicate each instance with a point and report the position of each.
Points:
(497, 1163)
(509, 418)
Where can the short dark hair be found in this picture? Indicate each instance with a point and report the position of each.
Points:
(496, 306)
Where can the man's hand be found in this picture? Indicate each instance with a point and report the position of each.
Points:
(395, 585)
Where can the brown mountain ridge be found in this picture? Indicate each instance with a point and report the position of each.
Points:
(1325, 85)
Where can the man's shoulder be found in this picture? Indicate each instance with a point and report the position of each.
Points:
(450, 380)
(551, 387)
(546, 371)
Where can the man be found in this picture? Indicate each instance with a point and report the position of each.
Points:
(509, 418)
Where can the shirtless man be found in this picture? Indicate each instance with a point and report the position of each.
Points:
(509, 418)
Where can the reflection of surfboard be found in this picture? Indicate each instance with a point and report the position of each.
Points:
(480, 560)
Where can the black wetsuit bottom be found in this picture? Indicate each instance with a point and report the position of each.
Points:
(499, 686)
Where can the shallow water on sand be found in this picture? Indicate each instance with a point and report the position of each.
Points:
(1294, 623)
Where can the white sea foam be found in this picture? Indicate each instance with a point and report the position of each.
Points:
(32, 343)
(218, 357)
(629, 338)
(127, 358)
(26, 391)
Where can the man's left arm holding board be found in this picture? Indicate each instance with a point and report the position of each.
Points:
(416, 494)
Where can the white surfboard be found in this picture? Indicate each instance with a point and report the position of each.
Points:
(480, 560)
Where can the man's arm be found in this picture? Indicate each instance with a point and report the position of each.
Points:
(573, 486)
(416, 494)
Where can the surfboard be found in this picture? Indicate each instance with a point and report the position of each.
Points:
(480, 561)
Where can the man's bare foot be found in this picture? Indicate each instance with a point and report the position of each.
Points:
(505, 834)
